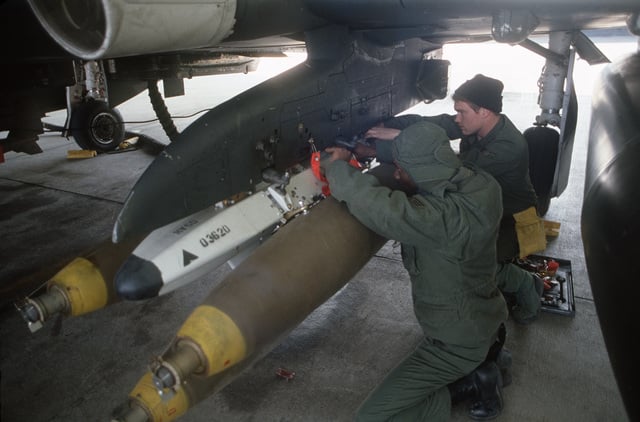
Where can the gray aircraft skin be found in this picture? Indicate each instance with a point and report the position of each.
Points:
(366, 61)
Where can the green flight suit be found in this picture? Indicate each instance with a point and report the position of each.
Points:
(504, 154)
(448, 234)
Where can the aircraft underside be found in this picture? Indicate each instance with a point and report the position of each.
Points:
(357, 73)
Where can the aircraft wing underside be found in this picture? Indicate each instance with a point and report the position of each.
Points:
(367, 60)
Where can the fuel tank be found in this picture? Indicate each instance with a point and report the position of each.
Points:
(611, 219)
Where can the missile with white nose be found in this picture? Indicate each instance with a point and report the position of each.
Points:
(265, 297)
(185, 250)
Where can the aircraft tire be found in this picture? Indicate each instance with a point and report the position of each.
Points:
(96, 126)
(544, 201)
(543, 153)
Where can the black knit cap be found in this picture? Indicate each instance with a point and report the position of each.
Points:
(483, 91)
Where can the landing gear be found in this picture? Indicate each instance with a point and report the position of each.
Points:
(543, 154)
(550, 149)
(94, 125)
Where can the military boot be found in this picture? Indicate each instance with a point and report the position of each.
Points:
(504, 361)
(483, 389)
(501, 356)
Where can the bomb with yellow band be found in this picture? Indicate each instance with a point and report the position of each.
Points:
(301, 266)
(82, 286)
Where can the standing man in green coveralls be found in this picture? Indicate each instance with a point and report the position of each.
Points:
(492, 142)
(447, 226)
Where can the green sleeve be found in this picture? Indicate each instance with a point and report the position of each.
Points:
(402, 122)
(445, 121)
(389, 213)
(448, 123)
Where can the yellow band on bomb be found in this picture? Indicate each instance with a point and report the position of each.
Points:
(83, 285)
(218, 337)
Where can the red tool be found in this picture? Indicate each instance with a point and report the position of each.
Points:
(285, 374)
(317, 172)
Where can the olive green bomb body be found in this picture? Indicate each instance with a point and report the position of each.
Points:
(301, 266)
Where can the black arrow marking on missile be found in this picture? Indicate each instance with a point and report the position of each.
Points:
(188, 258)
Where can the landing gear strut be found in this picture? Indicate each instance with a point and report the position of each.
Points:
(549, 148)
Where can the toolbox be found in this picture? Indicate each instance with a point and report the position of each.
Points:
(556, 273)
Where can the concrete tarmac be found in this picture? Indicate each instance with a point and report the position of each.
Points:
(53, 209)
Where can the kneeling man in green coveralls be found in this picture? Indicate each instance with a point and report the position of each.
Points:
(447, 225)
